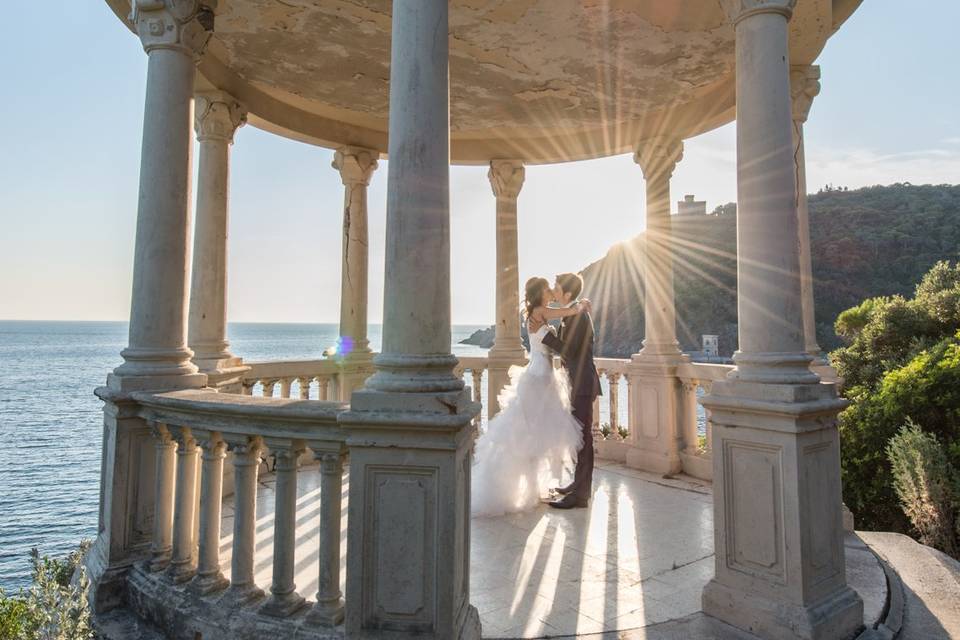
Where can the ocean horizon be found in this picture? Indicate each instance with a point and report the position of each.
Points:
(52, 424)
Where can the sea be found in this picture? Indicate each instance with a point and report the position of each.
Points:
(51, 424)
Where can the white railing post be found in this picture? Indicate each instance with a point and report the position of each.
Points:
(246, 465)
(182, 565)
(209, 578)
(284, 599)
(329, 607)
(162, 544)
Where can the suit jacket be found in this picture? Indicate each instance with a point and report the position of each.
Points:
(574, 344)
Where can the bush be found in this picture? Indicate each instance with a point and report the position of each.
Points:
(926, 390)
(926, 484)
(54, 607)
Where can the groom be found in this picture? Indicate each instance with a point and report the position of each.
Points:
(574, 344)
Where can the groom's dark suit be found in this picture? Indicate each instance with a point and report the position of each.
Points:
(574, 344)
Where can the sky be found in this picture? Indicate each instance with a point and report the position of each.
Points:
(70, 125)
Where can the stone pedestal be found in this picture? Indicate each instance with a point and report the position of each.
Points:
(780, 569)
(408, 559)
(654, 398)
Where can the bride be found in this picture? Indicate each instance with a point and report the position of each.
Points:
(533, 442)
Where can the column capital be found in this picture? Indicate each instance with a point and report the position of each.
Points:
(737, 10)
(804, 87)
(658, 156)
(506, 178)
(181, 25)
(355, 164)
(218, 115)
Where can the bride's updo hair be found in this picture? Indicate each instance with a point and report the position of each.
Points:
(533, 298)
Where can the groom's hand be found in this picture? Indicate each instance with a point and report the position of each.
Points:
(586, 306)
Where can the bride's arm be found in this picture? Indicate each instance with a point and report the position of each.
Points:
(548, 313)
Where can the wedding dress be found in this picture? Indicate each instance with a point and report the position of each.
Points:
(532, 444)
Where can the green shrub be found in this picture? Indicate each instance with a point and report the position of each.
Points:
(926, 390)
(54, 607)
(926, 484)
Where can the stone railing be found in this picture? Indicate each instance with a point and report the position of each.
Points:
(193, 431)
(615, 416)
(696, 450)
(303, 379)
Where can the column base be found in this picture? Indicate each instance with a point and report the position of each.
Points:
(409, 515)
(837, 617)
(121, 384)
(240, 595)
(181, 572)
(281, 606)
(654, 404)
(206, 584)
(326, 614)
(653, 461)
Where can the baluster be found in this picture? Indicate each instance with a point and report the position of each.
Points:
(162, 543)
(689, 438)
(268, 386)
(631, 418)
(305, 388)
(597, 434)
(246, 464)
(247, 387)
(285, 387)
(284, 599)
(477, 376)
(209, 578)
(182, 566)
(328, 610)
(324, 382)
(708, 426)
(614, 379)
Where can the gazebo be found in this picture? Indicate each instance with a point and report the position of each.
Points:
(503, 83)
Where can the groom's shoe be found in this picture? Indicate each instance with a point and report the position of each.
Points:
(570, 501)
(564, 490)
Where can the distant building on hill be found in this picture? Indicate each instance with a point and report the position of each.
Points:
(691, 207)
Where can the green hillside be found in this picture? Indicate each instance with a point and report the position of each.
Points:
(865, 242)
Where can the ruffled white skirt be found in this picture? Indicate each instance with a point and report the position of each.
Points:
(530, 446)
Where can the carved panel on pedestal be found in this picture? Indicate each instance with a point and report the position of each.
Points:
(819, 510)
(649, 412)
(753, 505)
(402, 531)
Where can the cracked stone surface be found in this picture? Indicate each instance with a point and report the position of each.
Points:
(540, 80)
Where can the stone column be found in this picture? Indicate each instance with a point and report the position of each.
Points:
(506, 178)
(356, 166)
(804, 87)
(218, 116)
(654, 396)
(780, 569)
(657, 158)
(409, 430)
(173, 33)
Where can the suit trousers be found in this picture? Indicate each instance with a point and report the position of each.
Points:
(583, 474)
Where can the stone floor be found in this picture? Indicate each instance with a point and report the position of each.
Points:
(639, 556)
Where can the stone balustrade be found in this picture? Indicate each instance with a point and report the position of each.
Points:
(615, 417)
(185, 579)
(303, 379)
